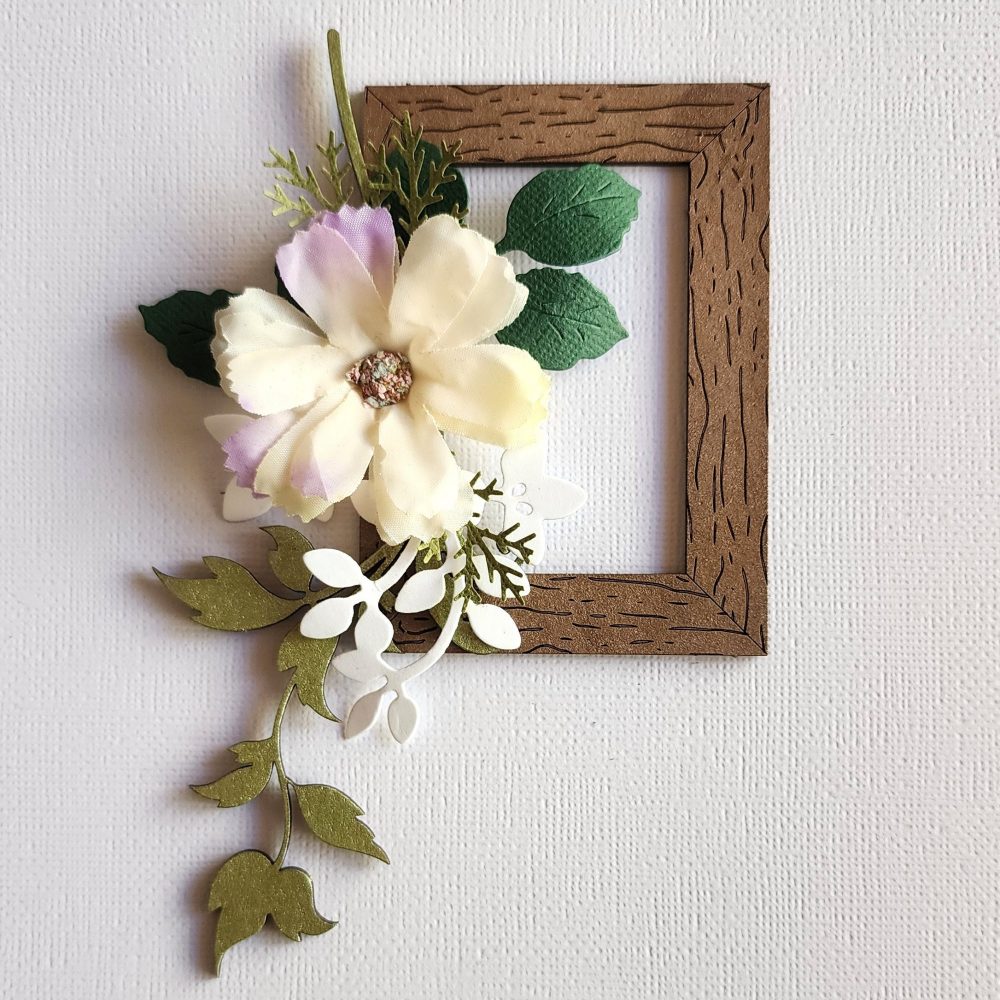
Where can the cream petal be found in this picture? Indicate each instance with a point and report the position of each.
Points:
(369, 232)
(285, 378)
(259, 321)
(273, 474)
(394, 526)
(490, 392)
(326, 277)
(417, 467)
(442, 265)
(332, 458)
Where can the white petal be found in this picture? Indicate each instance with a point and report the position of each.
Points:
(223, 426)
(494, 626)
(359, 665)
(240, 504)
(442, 265)
(489, 392)
(364, 713)
(259, 321)
(332, 458)
(324, 275)
(328, 618)
(423, 590)
(333, 567)
(395, 526)
(373, 633)
(285, 378)
(417, 467)
(402, 718)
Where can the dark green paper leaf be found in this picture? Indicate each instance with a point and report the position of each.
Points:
(185, 324)
(570, 217)
(565, 320)
(310, 659)
(453, 193)
(247, 888)
(247, 782)
(333, 817)
(286, 559)
(231, 599)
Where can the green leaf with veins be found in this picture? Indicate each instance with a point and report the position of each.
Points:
(231, 599)
(247, 782)
(286, 560)
(565, 320)
(248, 888)
(310, 658)
(184, 323)
(333, 817)
(571, 217)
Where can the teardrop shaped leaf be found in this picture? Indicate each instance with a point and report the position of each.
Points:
(364, 713)
(333, 817)
(494, 626)
(565, 320)
(571, 217)
(402, 718)
(422, 591)
(327, 619)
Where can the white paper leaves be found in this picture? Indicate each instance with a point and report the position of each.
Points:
(494, 626)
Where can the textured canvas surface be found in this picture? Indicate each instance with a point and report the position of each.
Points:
(818, 824)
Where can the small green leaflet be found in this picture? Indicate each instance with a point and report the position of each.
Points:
(310, 658)
(185, 324)
(333, 817)
(286, 559)
(565, 320)
(570, 217)
(241, 786)
(248, 889)
(453, 195)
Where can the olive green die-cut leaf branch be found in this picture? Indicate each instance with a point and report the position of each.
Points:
(250, 887)
(286, 559)
(231, 599)
(184, 323)
(310, 659)
(565, 320)
(247, 782)
(570, 217)
(333, 817)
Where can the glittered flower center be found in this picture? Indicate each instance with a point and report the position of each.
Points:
(384, 378)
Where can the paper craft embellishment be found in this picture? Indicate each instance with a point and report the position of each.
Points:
(392, 330)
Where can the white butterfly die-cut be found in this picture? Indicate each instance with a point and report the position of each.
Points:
(238, 502)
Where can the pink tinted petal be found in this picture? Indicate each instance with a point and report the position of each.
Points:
(369, 233)
(245, 449)
(327, 279)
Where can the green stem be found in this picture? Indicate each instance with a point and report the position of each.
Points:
(279, 766)
(347, 124)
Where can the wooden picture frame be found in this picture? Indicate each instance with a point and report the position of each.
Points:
(720, 132)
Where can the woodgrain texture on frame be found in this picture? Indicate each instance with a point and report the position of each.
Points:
(721, 133)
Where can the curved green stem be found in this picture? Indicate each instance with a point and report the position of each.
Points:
(347, 125)
(279, 766)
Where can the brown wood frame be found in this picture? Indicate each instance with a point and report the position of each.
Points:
(720, 132)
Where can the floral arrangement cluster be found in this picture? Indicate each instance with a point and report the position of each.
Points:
(392, 325)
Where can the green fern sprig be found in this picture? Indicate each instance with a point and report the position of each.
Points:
(292, 174)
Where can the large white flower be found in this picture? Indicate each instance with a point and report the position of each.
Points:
(377, 365)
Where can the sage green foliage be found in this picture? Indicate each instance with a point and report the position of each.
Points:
(310, 659)
(570, 217)
(333, 817)
(286, 559)
(565, 320)
(416, 180)
(249, 888)
(314, 196)
(184, 323)
(247, 782)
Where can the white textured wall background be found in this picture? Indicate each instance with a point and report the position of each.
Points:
(818, 824)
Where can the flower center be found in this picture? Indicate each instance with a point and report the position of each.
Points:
(384, 378)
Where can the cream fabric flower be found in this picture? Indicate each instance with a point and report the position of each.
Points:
(375, 368)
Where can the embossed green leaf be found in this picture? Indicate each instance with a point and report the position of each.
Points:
(231, 599)
(310, 658)
(286, 559)
(248, 888)
(565, 320)
(184, 323)
(239, 787)
(571, 217)
(333, 817)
